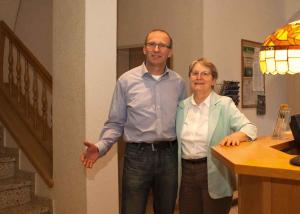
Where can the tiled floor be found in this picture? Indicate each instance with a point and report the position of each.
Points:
(233, 210)
(149, 210)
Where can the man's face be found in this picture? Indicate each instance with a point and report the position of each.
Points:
(157, 49)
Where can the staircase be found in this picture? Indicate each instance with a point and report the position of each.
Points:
(17, 186)
(26, 102)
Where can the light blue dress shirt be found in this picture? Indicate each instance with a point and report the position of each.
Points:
(142, 108)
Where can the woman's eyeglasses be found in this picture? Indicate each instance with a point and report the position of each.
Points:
(201, 74)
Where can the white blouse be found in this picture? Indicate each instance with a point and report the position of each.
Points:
(194, 131)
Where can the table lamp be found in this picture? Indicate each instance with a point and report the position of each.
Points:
(280, 52)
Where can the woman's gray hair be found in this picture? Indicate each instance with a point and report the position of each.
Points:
(205, 63)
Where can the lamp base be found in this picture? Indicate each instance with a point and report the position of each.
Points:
(295, 161)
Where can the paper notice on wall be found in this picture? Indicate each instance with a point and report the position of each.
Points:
(258, 78)
(249, 96)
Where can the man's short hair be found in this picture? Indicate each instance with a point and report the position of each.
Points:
(163, 31)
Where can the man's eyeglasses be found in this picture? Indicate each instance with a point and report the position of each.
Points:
(153, 45)
(201, 74)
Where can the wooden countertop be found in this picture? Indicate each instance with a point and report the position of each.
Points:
(261, 157)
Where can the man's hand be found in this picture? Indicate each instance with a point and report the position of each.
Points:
(90, 155)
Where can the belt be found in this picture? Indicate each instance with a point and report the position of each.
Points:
(195, 161)
(154, 146)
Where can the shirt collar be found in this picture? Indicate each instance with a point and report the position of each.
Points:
(205, 102)
(145, 71)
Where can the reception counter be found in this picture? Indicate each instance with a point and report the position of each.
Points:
(267, 183)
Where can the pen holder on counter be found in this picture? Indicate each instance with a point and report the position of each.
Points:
(282, 121)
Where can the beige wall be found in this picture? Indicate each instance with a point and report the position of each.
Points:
(291, 7)
(68, 106)
(182, 19)
(41, 188)
(225, 24)
(294, 80)
(8, 11)
(32, 24)
(84, 76)
(34, 28)
(294, 93)
(100, 78)
(213, 29)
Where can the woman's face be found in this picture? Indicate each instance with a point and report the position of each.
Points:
(201, 79)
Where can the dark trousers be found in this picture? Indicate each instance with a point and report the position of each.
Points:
(194, 197)
(146, 168)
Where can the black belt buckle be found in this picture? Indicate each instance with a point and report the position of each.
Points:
(160, 145)
(153, 147)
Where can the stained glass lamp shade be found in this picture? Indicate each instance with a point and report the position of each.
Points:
(280, 52)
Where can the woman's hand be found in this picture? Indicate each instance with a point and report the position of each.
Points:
(234, 139)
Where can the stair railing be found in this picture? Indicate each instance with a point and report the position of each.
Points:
(27, 86)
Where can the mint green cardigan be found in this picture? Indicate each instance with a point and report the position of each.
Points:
(224, 118)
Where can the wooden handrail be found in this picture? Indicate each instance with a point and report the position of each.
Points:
(44, 74)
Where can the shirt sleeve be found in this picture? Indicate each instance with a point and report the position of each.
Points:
(114, 126)
(239, 122)
(183, 93)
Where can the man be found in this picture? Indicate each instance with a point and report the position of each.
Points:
(143, 109)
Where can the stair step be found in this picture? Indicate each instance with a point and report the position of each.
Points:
(33, 207)
(7, 167)
(14, 192)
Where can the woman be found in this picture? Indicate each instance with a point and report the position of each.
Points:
(204, 120)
